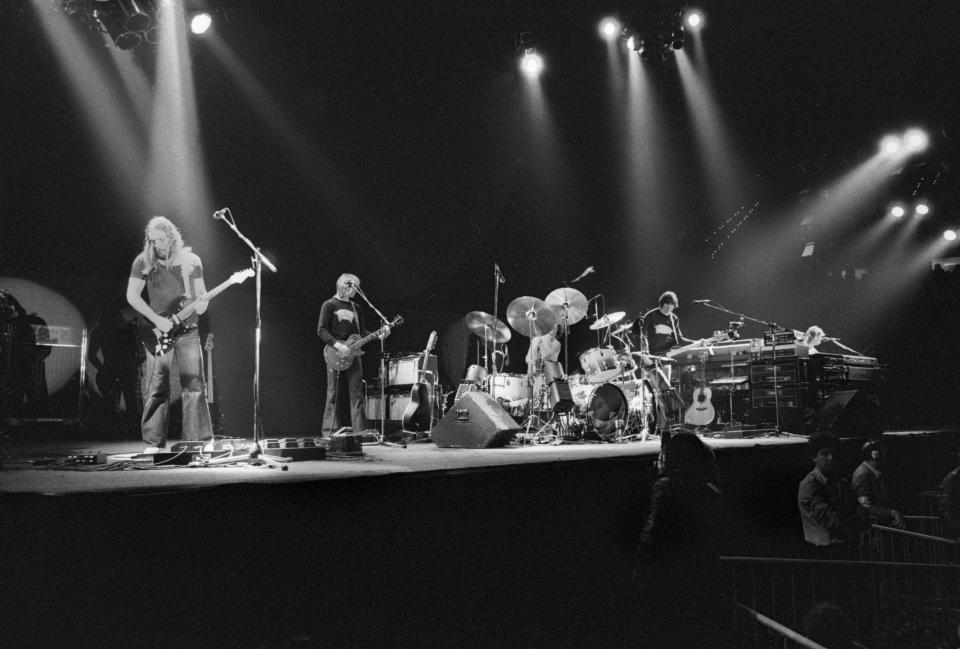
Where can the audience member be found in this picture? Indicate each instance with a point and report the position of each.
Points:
(677, 571)
(827, 504)
(870, 487)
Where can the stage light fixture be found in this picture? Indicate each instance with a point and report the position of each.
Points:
(125, 21)
(950, 235)
(201, 22)
(890, 144)
(531, 64)
(677, 39)
(898, 211)
(609, 28)
(916, 139)
(921, 209)
(694, 19)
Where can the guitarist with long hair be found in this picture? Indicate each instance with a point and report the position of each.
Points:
(172, 275)
(339, 320)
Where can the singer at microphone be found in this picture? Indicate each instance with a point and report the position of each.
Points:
(340, 320)
(661, 326)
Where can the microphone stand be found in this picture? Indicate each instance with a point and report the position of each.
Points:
(497, 281)
(258, 260)
(383, 376)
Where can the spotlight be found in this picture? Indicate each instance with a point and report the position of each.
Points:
(694, 19)
(677, 40)
(531, 64)
(200, 22)
(890, 144)
(897, 211)
(921, 209)
(123, 20)
(609, 28)
(916, 139)
(950, 235)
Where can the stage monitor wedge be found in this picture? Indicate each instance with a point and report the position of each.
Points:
(476, 420)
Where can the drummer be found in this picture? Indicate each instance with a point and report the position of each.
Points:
(543, 349)
(661, 326)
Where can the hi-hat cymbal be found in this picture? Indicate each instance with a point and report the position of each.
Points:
(626, 326)
(530, 316)
(609, 319)
(487, 326)
(569, 305)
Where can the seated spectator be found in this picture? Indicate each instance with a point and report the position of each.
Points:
(870, 487)
(827, 504)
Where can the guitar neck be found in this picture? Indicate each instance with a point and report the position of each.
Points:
(188, 310)
(363, 341)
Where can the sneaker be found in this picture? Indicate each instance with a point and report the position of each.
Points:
(151, 450)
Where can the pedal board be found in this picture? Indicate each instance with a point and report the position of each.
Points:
(299, 449)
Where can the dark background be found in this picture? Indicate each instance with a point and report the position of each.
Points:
(411, 161)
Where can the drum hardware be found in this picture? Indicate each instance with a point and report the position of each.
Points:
(570, 307)
(490, 329)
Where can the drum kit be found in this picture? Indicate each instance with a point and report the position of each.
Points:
(612, 400)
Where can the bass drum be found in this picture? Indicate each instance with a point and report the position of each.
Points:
(604, 409)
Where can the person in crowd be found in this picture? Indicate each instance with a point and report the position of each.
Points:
(827, 503)
(677, 558)
(870, 487)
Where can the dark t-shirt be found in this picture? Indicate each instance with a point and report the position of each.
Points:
(663, 332)
(339, 319)
(165, 285)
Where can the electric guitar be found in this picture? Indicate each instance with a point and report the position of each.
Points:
(701, 411)
(417, 415)
(160, 343)
(339, 362)
(215, 404)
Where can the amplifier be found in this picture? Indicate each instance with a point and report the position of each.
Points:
(397, 403)
(784, 371)
(766, 398)
(405, 370)
(779, 337)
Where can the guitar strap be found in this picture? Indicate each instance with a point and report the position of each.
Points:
(356, 317)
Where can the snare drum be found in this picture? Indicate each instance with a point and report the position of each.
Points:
(511, 387)
(475, 374)
(600, 364)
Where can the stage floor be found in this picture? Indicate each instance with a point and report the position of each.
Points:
(25, 469)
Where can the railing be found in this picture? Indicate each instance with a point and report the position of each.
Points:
(920, 542)
(887, 605)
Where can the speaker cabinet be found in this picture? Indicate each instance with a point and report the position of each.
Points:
(849, 413)
(476, 420)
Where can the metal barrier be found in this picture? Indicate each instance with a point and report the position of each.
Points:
(919, 543)
(887, 605)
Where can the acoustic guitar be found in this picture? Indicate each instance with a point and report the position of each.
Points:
(417, 415)
(160, 343)
(701, 412)
(339, 362)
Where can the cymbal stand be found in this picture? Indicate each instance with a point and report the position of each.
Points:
(498, 279)
(383, 375)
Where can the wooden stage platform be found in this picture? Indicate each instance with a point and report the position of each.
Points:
(407, 547)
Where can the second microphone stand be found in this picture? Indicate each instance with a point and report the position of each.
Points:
(383, 373)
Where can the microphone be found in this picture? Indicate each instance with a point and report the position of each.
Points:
(701, 301)
(594, 297)
(219, 214)
(496, 270)
(587, 271)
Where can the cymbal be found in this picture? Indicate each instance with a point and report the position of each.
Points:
(569, 305)
(530, 316)
(487, 326)
(626, 326)
(609, 319)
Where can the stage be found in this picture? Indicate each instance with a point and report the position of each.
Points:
(418, 546)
